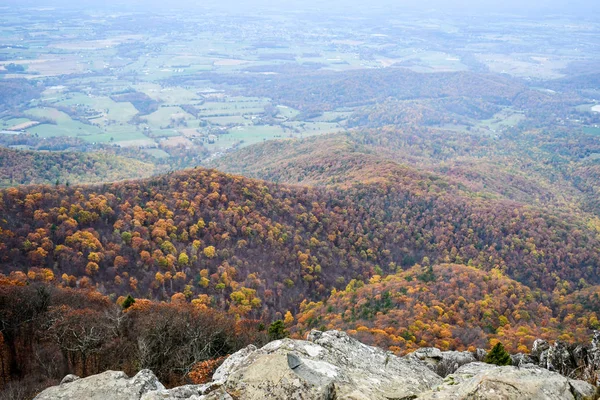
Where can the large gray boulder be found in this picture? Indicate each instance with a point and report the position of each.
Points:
(107, 385)
(485, 381)
(330, 365)
(443, 363)
(572, 360)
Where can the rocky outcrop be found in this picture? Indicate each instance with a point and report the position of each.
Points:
(485, 381)
(443, 363)
(107, 385)
(331, 365)
(575, 361)
(189, 392)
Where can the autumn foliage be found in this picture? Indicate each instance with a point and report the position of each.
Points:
(447, 306)
(48, 332)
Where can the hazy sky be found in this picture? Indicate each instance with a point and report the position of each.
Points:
(526, 7)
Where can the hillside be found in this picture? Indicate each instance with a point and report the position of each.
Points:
(318, 91)
(550, 168)
(450, 307)
(257, 248)
(33, 167)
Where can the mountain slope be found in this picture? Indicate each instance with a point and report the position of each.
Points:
(259, 248)
(539, 168)
(34, 167)
(448, 306)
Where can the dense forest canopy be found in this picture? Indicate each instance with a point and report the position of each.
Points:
(177, 185)
(258, 249)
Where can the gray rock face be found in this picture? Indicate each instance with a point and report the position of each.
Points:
(520, 359)
(189, 392)
(443, 363)
(595, 356)
(329, 365)
(571, 360)
(69, 378)
(484, 381)
(480, 354)
(539, 347)
(107, 385)
(231, 363)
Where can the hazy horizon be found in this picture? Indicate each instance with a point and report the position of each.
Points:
(514, 7)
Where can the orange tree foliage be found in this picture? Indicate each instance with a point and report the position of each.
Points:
(258, 249)
(48, 331)
(203, 371)
(450, 307)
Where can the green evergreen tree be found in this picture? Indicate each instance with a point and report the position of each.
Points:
(277, 330)
(498, 356)
(428, 275)
(129, 301)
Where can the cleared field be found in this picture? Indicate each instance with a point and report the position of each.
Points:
(175, 141)
(587, 107)
(246, 135)
(504, 118)
(591, 130)
(71, 128)
(169, 95)
(332, 116)
(65, 126)
(157, 153)
(288, 112)
(12, 122)
(111, 110)
(525, 65)
(52, 65)
(314, 128)
(23, 126)
(95, 44)
(117, 133)
(163, 133)
(228, 120)
(137, 143)
(165, 116)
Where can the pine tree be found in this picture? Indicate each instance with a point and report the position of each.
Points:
(428, 275)
(498, 356)
(129, 301)
(277, 330)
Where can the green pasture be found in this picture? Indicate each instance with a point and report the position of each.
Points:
(157, 153)
(288, 112)
(332, 116)
(12, 122)
(228, 120)
(162, 117)
(591, 130)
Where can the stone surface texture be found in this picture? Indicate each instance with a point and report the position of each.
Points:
(333, 366)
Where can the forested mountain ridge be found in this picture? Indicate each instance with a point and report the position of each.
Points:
(451, 307)
(34, 167)
(540, 167)
(258, 249)
(177, 184)
(318, 91)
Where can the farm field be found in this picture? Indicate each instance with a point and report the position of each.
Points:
(195, 84)
(591, 130)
